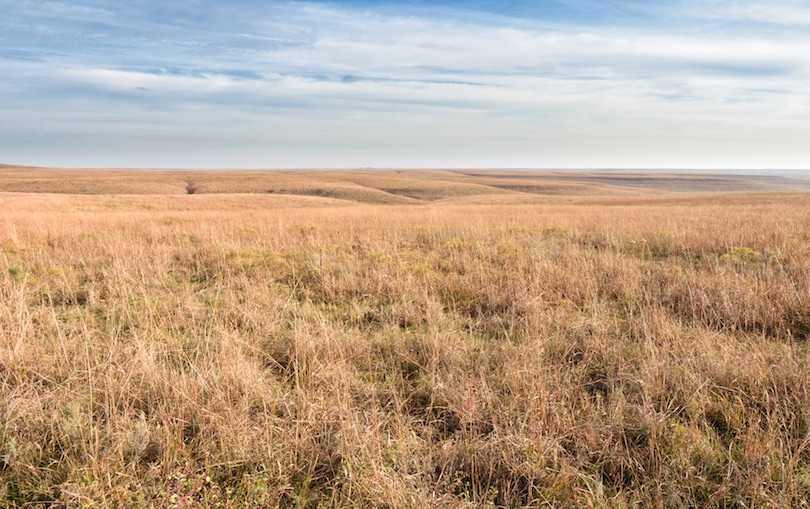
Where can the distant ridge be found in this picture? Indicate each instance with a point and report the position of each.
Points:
(388, 186)
(20, 166)
(694, 172)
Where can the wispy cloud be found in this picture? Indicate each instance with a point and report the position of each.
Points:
(323, 84)
(784, 14)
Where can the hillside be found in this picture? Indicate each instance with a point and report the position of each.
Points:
(381, 186)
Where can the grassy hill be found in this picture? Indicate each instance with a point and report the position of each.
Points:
(379, 186)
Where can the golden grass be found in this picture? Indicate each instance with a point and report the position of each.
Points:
(273, 350)
(378, 186)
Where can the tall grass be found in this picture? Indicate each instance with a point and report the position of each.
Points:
(578, 353)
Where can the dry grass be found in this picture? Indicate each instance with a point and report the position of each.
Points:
(380, 186)
(273, 350)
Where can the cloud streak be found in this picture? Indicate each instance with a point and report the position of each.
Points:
(326, 84)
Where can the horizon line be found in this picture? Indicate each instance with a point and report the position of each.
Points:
(703, 170)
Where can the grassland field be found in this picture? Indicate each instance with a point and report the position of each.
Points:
(397, 339)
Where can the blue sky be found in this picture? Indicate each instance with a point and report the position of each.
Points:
(353, 83)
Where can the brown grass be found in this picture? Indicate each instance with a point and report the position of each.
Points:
(273, 350)
(380, 186)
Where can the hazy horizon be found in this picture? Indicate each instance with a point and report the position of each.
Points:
(745, 172)
(716, 85)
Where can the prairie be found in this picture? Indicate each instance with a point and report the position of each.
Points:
(402, 339)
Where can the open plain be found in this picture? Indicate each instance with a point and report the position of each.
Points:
(250, 339)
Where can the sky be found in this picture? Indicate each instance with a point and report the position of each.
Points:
(703, 84)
